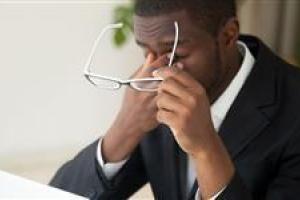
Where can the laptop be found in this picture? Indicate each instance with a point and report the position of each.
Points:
(14, 187)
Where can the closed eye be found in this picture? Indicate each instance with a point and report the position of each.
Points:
(180, 57)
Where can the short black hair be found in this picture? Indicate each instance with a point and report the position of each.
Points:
(211, 14)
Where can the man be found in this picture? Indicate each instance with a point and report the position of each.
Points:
(224, 123)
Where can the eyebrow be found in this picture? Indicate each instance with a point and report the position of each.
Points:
(141, 44)
(164, 44)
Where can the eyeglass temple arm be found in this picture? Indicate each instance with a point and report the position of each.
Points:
(91, 55)
(120, 25)
(175, 43)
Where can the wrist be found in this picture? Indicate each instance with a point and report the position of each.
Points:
(212, 146)
(125, 129)
(213, 151)
(214, 167)
(118, 143)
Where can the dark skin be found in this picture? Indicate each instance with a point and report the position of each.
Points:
(204, 67)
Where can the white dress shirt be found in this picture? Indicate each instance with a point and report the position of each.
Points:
(218, 113)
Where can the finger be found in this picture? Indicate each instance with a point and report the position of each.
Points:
(166, 117)
(153, 65)
(150, 58)
(168, 102)
(173, 87)
(178, 74)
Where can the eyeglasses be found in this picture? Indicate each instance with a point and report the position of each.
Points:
(149, 84)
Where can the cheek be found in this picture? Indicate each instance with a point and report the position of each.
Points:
(203, 67)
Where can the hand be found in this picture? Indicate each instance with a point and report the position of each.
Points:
(138, 111)
(136, 117)
(184, 106)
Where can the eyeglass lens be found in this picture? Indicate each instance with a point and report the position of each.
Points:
(105, 83)
(146, 85)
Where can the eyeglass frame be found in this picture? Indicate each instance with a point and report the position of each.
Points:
(88, 74)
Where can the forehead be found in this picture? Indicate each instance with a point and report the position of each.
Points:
(161, 28)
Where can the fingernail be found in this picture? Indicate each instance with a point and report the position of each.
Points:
(169, 55)
(155, 72)
(179, 65)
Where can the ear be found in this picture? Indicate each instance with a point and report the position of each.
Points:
(229, 33)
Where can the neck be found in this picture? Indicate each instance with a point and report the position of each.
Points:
(232, 69)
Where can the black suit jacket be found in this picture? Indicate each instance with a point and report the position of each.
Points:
(261, 132)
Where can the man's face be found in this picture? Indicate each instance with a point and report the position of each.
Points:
(197, 50)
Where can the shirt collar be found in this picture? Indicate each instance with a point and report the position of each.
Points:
(222, 105)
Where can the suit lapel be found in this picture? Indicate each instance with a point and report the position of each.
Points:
(175, 166)
(240, 128)
(256, 103)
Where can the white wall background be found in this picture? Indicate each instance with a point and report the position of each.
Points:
(48, 111)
